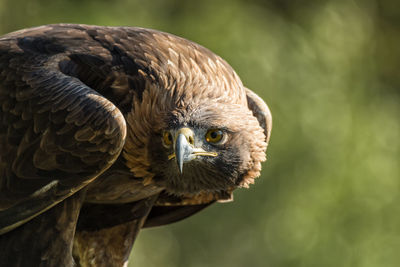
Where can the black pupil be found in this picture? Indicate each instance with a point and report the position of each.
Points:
(169, 137)
(214, 134)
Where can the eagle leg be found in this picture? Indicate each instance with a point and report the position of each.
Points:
(101, 244)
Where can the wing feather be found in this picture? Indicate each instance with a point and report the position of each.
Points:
(260, 111)
(56, 133)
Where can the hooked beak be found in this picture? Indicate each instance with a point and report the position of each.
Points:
(185, 149)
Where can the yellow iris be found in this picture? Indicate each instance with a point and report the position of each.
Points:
(214, 135)
(167, 138)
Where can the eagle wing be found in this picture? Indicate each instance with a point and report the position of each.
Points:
(56, 133)
(260, 111)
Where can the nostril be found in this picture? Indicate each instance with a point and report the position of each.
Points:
(190, 140)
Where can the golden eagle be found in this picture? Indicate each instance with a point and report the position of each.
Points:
(106, 130)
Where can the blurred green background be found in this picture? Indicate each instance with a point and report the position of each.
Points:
(329, 70)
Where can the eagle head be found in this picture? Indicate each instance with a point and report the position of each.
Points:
(191, 129)
(212, 147)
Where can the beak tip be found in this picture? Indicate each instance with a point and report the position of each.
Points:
(180, 166)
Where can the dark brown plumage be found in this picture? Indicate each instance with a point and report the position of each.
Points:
(111, 129)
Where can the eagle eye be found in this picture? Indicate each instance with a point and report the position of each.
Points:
(167, 139)
(214, 135)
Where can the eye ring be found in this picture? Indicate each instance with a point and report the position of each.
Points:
(214, 136)
(167, 139)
